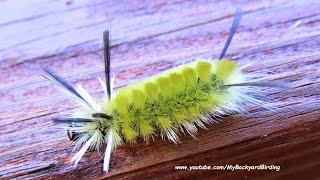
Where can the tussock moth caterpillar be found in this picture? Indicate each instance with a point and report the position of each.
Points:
(179, 99)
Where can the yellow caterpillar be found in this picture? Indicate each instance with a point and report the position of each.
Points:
(177, 100)
(173, 100)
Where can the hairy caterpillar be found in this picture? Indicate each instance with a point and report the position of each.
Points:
(179, 99)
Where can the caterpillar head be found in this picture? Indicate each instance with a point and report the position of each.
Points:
(99, 120)
(73, 136)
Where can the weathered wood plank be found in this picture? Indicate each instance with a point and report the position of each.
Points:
(280, 38)
(140, 19)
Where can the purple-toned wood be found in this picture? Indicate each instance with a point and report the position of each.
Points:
(280, 37)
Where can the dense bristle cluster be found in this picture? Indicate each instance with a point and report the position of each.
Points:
(174, 100)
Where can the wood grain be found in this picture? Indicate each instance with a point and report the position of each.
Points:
(280, 38)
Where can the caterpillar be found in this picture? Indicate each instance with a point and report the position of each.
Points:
(175, 101)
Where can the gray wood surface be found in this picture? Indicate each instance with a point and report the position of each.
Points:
(280, 37)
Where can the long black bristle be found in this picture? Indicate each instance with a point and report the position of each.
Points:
(234, 27)
(101, 115)
(106, 41)
(275, 84)
(62, 82)
(70, 120)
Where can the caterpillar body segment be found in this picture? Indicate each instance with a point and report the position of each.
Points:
(174, 100)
